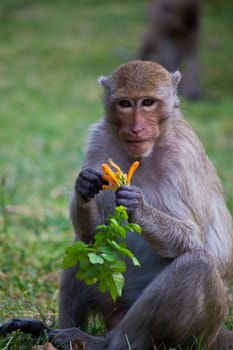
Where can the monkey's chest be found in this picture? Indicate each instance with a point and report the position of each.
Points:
(137, 278)
(106, 202)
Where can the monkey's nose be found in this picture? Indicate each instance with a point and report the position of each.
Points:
(137, 129)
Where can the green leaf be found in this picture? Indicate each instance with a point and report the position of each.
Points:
(113, 244)
(108, 254)
(109, 257)
(90, 281)
(85, 264)
(133, 228)
(113, 222)
(79, 246)
(95, 259)
(116, 285)
(122, 250)
(118, 266)
(136, 227)
(102, 227)
(121, 232)
(100, 239)
(121, 213)
(135, 261)
(101, 261)
(102, 286)
(119, 282)
(69, 261)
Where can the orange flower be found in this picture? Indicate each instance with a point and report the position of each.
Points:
(117, 178)
(109, 174)
(131, 171)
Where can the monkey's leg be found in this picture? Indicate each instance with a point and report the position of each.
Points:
(75, 300)
(187, 300)
(78, 300)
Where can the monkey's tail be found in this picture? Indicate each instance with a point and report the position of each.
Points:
(27, 325)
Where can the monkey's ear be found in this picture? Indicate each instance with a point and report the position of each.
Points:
(176, 78)
(103, 81)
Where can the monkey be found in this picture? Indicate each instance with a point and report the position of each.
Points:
(172, 39)
(180, 296)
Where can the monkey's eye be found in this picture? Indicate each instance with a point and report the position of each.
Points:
(147, 102)
(125, 104)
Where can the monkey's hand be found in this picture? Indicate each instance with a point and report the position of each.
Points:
(130, 197)
(89, 183)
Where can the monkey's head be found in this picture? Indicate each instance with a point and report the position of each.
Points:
(177, 17)
(140, 96)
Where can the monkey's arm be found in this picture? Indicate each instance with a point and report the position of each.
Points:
(83, 208)
(169, 236)
(84, 216)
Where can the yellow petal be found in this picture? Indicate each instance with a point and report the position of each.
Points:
(107, 178)
(114, 165)
(131, 171)
(108, 187)
(108, 171)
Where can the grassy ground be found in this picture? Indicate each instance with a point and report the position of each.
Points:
(51, 54)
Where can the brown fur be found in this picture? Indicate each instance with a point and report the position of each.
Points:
(181, 290)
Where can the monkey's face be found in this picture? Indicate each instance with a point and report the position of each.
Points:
(139, 96)
(136, 121)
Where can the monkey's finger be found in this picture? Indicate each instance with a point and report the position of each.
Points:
(128, 192)
(87, 187)
(92, 176)
(88, 190)
(129, 197)
(129, 204)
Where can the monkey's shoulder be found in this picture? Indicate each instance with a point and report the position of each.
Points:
(183, 146)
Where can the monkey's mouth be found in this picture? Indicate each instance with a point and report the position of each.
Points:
(139, 148)
(136, 141)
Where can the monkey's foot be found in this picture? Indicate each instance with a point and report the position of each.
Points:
(74, 338)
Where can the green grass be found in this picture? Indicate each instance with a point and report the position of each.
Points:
(51, 55)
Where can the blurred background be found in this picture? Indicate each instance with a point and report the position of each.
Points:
(51, 54)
